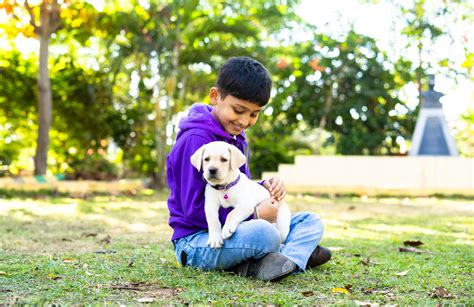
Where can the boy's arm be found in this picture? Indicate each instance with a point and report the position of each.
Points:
(190, 185)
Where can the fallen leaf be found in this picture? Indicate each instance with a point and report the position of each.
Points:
(89, 234)
(66, 240)
(307, 293)
(54, 276)
(102, 251)
(106, 240)
(69, 260)
(2, 273)
(412, 243)
(339, 290)
(411, 250)
(368, 262)
(440, 292)
(145, 300)
(404, 273)
(376, 291)
(5, 290)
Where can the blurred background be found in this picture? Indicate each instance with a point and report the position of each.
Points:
(95, 89)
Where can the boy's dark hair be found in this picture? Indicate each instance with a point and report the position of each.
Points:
(246, 79)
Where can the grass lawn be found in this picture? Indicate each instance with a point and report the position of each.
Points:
(116, 249)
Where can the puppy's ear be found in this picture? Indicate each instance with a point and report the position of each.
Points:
(196, 158)
(237, 158)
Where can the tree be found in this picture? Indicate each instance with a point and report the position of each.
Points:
(49, 23)
(344, 87)
(43, 23)
(181, 43)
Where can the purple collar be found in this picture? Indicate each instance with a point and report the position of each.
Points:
(226, 186)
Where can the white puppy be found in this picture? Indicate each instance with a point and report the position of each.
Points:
(228, 187)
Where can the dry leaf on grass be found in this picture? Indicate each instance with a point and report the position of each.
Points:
(340, 290)
(145, 300)
(369, 262)
(69, 260)
(307, 293)
(441, 292)
(2, 273)
(404, 273)
(413, 243)
(106, 240)
(411, 250)
(385, 292)
(54, 276)
(108, 251)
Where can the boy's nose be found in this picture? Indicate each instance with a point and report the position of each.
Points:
(244, 122)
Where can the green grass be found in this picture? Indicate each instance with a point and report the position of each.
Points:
(49, 245)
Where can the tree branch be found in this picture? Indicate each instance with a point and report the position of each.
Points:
(32, 17)
(55, 19)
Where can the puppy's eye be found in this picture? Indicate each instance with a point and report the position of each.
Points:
(224, 160)
(207, 159)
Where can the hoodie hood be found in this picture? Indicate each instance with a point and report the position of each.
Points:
(200, 117)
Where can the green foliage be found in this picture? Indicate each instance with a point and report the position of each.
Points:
(93, 167)
(122, 76)
(17, 106)
(344, 87)
(464, 134)
(269, 147)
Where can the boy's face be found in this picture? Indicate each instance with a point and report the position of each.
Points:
(234, 115)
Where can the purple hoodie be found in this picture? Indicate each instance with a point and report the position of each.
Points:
(186, 199)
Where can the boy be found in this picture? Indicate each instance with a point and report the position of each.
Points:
(243, 87)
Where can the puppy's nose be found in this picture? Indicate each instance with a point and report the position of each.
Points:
(212, 171)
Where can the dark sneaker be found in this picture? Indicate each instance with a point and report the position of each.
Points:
(320, 256)
(272, 267)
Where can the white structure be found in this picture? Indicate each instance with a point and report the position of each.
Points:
(378, 175)
(432, 136)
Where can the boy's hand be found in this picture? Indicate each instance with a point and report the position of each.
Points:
(276, 187)
(268, 210)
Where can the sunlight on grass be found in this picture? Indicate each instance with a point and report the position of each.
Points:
(71, 251)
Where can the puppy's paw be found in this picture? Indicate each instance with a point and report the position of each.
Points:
(215, 240)
(228, 230)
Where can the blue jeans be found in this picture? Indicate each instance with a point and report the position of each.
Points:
(253, 240)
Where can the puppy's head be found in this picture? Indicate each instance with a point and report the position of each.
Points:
(219, 162)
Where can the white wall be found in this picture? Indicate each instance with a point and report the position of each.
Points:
(378, 174)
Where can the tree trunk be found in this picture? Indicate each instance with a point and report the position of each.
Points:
(44, 108)
(164, 117)
(49, 23)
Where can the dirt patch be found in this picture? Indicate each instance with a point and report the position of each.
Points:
(147, 290)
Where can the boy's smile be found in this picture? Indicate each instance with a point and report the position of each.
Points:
(235, 115)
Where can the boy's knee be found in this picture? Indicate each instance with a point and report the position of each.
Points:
(264, 235)
(311, 220)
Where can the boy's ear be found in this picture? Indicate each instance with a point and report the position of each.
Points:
(196, 158)
(237, 158)
(213, 95)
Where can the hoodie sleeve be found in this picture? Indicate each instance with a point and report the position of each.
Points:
(188, 183)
